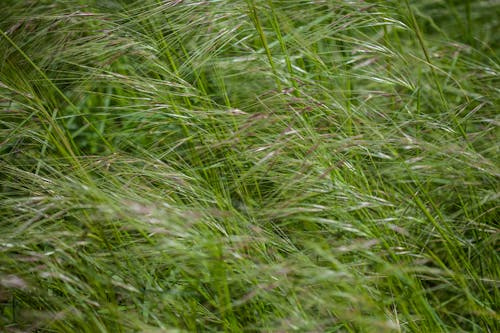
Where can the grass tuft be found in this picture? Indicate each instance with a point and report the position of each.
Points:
(249, 166)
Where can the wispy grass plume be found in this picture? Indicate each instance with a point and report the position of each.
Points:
(249, 166)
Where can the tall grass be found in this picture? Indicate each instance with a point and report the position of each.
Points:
(257, 166)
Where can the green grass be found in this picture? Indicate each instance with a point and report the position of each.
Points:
(249, 166)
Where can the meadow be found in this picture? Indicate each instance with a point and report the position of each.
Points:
(249, 166)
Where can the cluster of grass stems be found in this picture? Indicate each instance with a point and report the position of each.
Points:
(249, 166)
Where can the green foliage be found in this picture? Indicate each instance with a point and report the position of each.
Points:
(257, 166)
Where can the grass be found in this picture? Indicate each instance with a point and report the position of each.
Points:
(249, 166)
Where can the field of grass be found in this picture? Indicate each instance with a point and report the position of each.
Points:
(249, 166)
